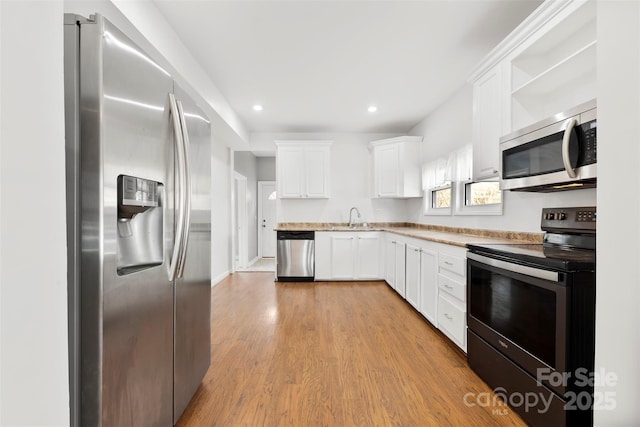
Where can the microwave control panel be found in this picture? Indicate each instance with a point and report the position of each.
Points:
(589, 143)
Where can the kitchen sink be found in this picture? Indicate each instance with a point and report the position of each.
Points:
(352, 228)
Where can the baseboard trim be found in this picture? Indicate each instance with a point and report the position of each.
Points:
(219, 278)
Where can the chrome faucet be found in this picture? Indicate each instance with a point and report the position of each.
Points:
(351, 221)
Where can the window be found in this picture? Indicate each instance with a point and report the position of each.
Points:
(448, 184)
(474, 197)
(436, 182)
(482, 193)
(441, 198)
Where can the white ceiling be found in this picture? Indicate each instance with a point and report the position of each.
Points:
(316, 66)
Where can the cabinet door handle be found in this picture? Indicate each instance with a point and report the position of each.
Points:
(487, 172)
(447, 316)
(417, 250)
(448, 263)
(448, 286)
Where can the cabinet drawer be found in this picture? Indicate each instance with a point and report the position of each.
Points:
(452, 263)
(451, 319)
(454, 287)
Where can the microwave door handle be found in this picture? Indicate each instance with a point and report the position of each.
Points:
(571, 124)
(179, 188)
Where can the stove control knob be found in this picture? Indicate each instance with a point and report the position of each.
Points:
(561, 216)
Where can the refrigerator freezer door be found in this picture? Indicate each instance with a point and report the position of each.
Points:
(126, 320)
(192, 333)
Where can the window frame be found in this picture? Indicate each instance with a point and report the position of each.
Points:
(428, 208)
(461, 207)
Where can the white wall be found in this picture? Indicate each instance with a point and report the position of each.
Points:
(145, 25)
(33, 369)
(266, 168)
(618, 251)
(449, 127)
(245, 163)
(152, 24)
(351, 181)
(220, 210)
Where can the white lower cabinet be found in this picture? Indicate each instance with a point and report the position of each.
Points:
(428, 284)
(400, 267)
(348, 255)
(422, 277)
(452, 294)
(395, 258)
(451, 320)
(412, 276)
(390, 260)
(432, 278)
(343, 256)
(368, 256)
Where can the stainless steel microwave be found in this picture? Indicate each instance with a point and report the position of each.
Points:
(559, 153)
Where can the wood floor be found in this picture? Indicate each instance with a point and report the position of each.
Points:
(331, 354)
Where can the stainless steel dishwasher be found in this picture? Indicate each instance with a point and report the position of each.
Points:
(296, 256)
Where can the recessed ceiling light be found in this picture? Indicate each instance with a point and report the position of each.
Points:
(372, 109)
(257, 107)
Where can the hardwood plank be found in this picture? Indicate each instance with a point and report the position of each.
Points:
(331, 354)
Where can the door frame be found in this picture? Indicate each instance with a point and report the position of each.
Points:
(259, 225)
(240, 222)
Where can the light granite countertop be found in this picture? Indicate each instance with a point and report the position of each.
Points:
(440, 234)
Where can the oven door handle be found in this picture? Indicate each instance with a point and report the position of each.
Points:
(515, 268)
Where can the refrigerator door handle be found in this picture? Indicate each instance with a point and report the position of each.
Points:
(187, 190)
(179, 188)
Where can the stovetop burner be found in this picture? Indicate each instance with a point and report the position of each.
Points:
(569, 242)
(543, 255)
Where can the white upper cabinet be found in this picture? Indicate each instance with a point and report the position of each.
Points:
(303, 169)
(396, 167)
(545, 66)
(488, 123)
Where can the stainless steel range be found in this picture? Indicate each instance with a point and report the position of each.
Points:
(531, 319)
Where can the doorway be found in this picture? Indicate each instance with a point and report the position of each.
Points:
(240, 242)
(267, 219)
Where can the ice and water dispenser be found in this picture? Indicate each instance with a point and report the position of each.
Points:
(139, 224)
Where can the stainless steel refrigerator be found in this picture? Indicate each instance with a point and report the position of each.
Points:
(139, 232)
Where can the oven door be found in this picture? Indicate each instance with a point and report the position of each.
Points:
(522, 312)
